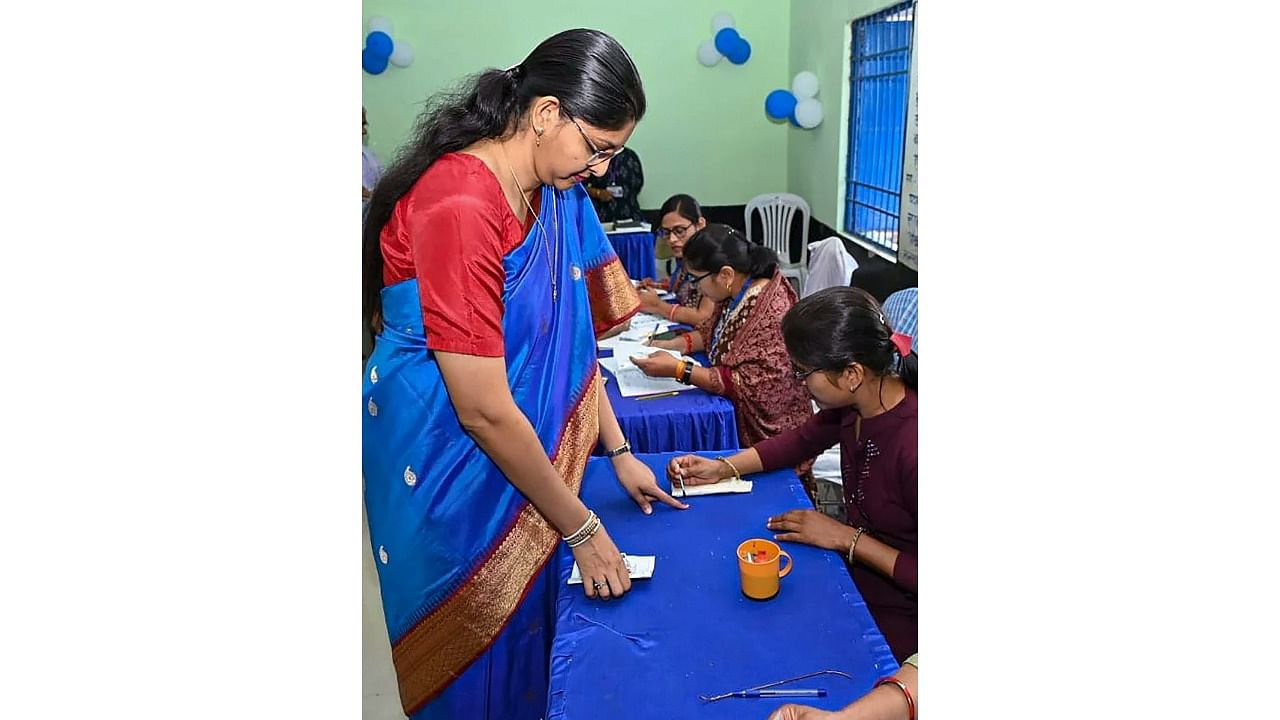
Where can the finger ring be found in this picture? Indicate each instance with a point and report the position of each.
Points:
(598, 585)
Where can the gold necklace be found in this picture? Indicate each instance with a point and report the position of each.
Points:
(555, 291)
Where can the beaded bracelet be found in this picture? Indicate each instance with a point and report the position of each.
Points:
(584, 533)
(688, 343)
(911, 702)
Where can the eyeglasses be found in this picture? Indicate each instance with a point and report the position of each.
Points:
(802, 374)
(597, 155)
(679, 231)
(695, 279)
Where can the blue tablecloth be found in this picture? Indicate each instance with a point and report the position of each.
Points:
(635, 250)
(693, 421)
(689, 630)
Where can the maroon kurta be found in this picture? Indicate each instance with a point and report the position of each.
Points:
(878, 472)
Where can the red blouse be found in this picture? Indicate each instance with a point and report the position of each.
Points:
(451, 232)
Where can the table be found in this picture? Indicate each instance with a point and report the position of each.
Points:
(635, 250)
(689, 630)
(693, 421)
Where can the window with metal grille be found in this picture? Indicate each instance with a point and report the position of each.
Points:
(880, 75)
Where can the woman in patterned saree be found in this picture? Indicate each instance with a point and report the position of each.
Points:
(680, 218)
(743, 337)
(482, 400)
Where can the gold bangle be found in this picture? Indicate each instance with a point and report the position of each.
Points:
(853, 545)
(736, 475)
(575, 538)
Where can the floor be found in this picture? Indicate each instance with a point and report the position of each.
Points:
(381, 698)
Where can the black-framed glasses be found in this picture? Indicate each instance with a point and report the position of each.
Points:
(802, 374)
(695, 279)
(597, 155)
(678, 231)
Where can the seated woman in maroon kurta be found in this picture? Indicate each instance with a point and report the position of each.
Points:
(863, 375)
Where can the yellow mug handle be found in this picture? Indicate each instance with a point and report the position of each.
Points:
(790, 563)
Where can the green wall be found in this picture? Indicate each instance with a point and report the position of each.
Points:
(815, 158)
(705, 132)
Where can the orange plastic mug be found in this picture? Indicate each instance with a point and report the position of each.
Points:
(759, 563)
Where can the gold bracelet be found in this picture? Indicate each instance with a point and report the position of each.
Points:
(736, 475)
(856, 536)
(589, 531)
(577, 536)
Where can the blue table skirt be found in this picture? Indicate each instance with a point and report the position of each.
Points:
(635, 250)
(689, 630)
(693, 421)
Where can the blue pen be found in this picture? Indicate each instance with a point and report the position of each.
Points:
(820, 692)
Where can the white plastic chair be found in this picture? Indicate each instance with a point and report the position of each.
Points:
(777, 211)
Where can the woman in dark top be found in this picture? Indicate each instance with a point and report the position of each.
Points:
(863, 376)
(616, 193)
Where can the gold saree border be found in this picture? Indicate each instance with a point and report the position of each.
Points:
(613, 297)
(444, 643)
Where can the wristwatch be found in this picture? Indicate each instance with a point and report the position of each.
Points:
(622, 450)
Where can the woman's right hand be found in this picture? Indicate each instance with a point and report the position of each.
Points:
(694, 470)
(677, 345)
(600, 562)
(649, 283)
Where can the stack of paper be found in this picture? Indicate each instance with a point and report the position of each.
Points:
(731, 485)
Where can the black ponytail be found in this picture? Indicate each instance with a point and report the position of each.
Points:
(588, 71)
(718, 245)
(839, 326)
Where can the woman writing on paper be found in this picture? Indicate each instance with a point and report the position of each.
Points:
(863, 375)
(680, 218)
(487, 278)
(743, 337)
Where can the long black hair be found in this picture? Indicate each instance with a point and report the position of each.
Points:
(839, 326)
(684, 205)
(587, 70)
(718, 245)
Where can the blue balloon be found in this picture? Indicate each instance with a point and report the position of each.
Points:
(372, 62)
(726, 40)
(779, 104)
(380, 43)
(739, 53)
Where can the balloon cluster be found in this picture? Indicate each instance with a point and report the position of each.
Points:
(380, 48)
(725, 42)
(800, 104)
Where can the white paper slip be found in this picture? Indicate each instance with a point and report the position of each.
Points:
(640, 567)
(624, 351)
(633, 383)
(731, 485)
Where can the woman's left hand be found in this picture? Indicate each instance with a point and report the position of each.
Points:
(639, 482)
(658, 364)
(811, 528)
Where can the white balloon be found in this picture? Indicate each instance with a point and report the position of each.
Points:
(377, 23)
(805, 85)
(708, 54)
(720, 21)
(809, 113)
(402, 55)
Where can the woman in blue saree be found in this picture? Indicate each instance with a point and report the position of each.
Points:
(487, 279)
